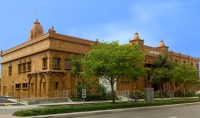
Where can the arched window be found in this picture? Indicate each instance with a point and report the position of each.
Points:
(28, 65)
(19, 67)
(24, 66)
(67, 63)
(44, 61)
(10, 69)
(56, 59)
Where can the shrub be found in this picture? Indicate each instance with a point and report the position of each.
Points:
(178, 93)
(139, 94)
(157, 95)
(189, 93)
(102, 106)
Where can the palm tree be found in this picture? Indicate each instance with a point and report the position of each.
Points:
(75, 62)
(163, 62)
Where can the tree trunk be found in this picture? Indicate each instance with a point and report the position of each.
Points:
(161, 91)
(134, 87)
(76, 87)
(184, 90)
(112, 89)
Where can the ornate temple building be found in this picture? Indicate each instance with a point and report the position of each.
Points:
(40, 66)
(151, 55)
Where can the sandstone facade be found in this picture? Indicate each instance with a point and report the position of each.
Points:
(39, 66)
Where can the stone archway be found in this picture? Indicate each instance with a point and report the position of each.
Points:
(56, 84)
(32, 86)
(43, 86)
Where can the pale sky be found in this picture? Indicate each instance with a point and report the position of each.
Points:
(177, 22)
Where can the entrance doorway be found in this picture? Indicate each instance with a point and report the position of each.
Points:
(4, 90)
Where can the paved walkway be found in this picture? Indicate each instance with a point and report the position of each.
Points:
(79, 113)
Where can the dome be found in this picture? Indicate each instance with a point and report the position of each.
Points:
(136, 36)
(36, 30)
(161, 44)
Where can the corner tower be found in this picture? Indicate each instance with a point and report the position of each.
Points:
(136, 40)
(36, 30)
(163, 47)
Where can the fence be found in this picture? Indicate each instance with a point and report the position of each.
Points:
(39, 95)
(125, 93)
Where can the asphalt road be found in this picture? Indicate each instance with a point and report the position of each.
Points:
(5, 102)
(188, 111)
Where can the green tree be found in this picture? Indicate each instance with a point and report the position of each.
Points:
(112, 61)
(160, 76)
(76, 64)
(185, 74)
(162, 62)
(85, 84)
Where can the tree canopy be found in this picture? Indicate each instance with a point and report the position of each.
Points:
(184, 73)
(161, 76)
(162, 61)
(161, 71)
(76, 64)
(113, 61)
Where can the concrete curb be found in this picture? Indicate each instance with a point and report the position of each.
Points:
(87, 113)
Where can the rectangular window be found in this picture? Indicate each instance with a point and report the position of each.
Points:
(28, 66)
(24, 85)
(44, 62)
(10, 70)
(67, 63)
(56, 62)
(24, 67)
(56, 85)
(19, 68)
(17, 86)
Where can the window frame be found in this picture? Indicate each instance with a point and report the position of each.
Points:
(18, 87)
(54, 62)
(24, 85)
(44, 63)
(10, 69)
(56, 85)
(24, 67)
(67, 64)
(19, 68)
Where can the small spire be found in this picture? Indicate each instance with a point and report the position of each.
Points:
(1, 52)
(162, 44)
(36, 22)
(136, 36)
(52, 30)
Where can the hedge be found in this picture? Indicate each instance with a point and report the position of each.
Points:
(94, 107)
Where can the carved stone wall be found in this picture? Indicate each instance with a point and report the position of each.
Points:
(26, 51)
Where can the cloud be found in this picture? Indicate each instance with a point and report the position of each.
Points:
(147, 11)
(143, 19)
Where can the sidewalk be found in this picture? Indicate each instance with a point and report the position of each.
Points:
(76, 114)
